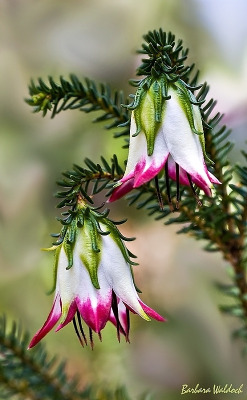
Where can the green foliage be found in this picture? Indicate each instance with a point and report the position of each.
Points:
(165, 56)
(88, 182)
(75, 95)
(34, 374)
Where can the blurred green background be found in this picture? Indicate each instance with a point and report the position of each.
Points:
(98, 39)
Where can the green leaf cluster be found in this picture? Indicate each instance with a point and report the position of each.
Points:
(76, 95)
(36, 375)
(165, 55)
(32, 374)
(88, 182)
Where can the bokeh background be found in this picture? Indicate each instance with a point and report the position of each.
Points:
(98, 39)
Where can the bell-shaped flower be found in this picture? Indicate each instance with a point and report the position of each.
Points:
(166, 131)
(94, 281)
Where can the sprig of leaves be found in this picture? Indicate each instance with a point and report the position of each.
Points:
(32, 374)
(35, 375)
(83, 96)
(164, 55)
(87, 182)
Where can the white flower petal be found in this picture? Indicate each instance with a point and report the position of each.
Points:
(75, 287)
(76, 280)
(151, 165)
(118, 274)
(67, 280)
(137, 147)
(140, 165)
(183, 145)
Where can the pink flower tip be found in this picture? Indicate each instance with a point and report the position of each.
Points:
(151, 313)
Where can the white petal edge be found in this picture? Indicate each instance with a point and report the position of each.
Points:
(117, 273)
(183, 145)
(137, 147)
(76, 282)
(138, 150)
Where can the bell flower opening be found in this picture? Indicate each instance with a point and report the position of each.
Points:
(90, 305)
(177, 142)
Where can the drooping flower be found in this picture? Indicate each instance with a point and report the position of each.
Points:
(94, 280)
(166, 131)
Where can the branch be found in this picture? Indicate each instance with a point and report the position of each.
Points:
(32, 374)
(77, 182)
(37, 376)
(75, 95)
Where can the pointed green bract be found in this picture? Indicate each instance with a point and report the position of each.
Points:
(68, 248)
(185, 102)
(89, 253)
(69, 241)
(149, 110)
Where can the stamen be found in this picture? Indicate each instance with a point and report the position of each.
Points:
(128, 325)
(160, 200)
(193, 190)
(77, 332)
(178, 187)
(168, 187)
(91, 338)
(100, 337)
(115, 312)
(80, 326)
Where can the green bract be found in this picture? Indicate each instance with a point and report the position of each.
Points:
(148, 108)
(90, 245)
